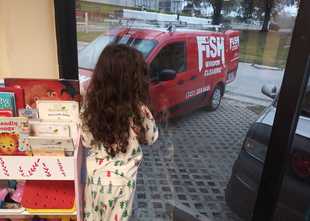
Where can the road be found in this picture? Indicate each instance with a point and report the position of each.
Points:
(249, 81)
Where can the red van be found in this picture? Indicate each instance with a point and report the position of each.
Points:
(187, 67)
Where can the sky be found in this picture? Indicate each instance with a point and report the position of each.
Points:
(291, 9)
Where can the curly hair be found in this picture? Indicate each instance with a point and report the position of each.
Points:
(119, 85)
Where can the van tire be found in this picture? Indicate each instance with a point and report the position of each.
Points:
(215, 98)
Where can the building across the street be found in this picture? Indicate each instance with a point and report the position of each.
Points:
(162, 5)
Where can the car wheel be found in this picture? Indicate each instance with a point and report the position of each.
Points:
(300, 162)
(215, 99)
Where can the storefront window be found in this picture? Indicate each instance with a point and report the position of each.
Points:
(206, 84)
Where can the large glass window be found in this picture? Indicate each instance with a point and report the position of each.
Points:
(216, 108)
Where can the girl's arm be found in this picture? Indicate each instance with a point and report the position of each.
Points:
(149, 125)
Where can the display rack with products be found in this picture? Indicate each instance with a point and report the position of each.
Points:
(49, 172)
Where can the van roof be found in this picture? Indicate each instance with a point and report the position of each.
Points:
(152, 33)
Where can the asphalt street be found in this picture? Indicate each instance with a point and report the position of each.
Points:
(249, 81)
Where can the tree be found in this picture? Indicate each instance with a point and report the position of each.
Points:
(190, 8)
(217, 6)
(110, 203)
(125, 213)
(122, 204)
(133, 151)
(99, 181)
(110, 190)
(263, 10)
(246, 10)
(268, 4)
(95, 194)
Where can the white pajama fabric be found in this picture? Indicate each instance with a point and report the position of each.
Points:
(110, 183)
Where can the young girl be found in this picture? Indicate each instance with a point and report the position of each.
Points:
(116, 120)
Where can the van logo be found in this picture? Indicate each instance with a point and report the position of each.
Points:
(234, 43)
(210, 47)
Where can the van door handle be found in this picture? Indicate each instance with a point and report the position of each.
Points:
(193, 77)
(181, 82)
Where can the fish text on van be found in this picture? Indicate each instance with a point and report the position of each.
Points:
(234, 43)
(213, 63)
(210, 47)
(212, 71)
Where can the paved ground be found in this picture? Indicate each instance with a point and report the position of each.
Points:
(187, 169)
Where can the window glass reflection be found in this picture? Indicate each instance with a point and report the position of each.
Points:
(213, 118)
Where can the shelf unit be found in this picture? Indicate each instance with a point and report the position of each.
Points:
(46, 168)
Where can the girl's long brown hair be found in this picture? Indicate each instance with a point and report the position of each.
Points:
(118, 87)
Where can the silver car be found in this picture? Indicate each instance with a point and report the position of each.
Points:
(243, 185)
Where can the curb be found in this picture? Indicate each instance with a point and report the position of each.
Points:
(266, 67)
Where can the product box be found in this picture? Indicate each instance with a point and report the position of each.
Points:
(54, 129)
(58, 110)
(19, 96)
(31, 114)
(14, 133)
(48, 129)
(49, 153)
(52, 144)
(7, 101)
(6, 113)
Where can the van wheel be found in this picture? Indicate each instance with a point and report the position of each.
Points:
(215, 99)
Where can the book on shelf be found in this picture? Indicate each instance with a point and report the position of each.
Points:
(58, 110)
(50, 129)
(48, 153)
(14, 134)
(30, 113)
(6, 113)
(7, 101)
(45, 89)
(19, 97)
(52, 144)
(54, 129)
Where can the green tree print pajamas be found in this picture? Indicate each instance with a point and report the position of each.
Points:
(110, 184)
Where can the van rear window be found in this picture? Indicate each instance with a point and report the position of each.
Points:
(88, 57)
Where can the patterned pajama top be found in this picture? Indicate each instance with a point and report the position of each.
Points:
(103, 169)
